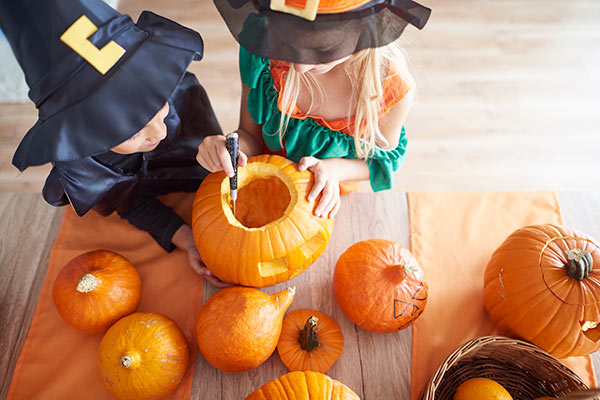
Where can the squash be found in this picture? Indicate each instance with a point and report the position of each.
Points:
(543, 285)
(303, 385)
(309, 341)
(143, 356)
(273, 235)
(95, 289)
(379, 285)
(481, 389)
(238, 327)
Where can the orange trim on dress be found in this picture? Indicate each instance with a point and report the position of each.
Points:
(394, 90)
(329, 6)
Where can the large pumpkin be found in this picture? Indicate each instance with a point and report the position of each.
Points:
(143, 356)
(379, 285)
(95, 289)
(273, 236)
(309, 341)
(543, 285)
(307, 385)
(238, 327)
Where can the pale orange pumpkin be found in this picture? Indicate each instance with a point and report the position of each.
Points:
(379, 285)
(273, 236)
(481, 389)
(309, 341)
(143, 356)
(303, 385)
(543, 284)
(95, 289)
(238, 327)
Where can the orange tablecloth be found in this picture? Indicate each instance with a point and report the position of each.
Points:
(58, 362)
(453, 235)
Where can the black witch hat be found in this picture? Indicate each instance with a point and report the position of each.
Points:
(318, 31)
(95, 76)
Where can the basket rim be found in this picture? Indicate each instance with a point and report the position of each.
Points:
(471, 345)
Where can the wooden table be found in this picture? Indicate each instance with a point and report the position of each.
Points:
(374, 366)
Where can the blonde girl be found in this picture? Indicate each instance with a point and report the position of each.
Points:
(325, 84)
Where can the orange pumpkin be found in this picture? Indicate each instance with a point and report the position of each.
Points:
(303, 385)
(309, 341)
(481, 389)
(143, 356)
(543, 284)
(95, 289)
(238, 327)
(379, 285)
(273, 236)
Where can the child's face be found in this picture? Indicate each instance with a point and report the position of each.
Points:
(147, 138)
(318, 69)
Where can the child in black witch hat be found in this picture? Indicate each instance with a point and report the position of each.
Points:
(326, 84)
(120, 119)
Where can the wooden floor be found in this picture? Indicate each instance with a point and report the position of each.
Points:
(508, 98)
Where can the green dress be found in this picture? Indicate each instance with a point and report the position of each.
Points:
(307, 137)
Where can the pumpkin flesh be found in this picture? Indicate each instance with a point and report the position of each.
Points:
(273, 235)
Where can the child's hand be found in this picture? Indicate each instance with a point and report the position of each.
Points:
(213, 155)
(327, 183)
(184, 239)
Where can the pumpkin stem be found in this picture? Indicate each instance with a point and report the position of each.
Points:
(87, 283)
(580, 263)
(308, 336)
(126, 361)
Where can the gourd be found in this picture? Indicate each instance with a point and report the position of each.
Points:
(95, 289)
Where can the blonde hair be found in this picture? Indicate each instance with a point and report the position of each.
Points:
(367, 70)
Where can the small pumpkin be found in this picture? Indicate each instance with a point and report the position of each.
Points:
(273, 235)
(238, 327)
(143, 356)
(379, 285)
(95, 289)
(481, 389)
(543, 284)
(303, 385)
(309, 341)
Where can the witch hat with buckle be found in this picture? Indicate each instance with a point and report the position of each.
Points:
(318, 31)
(95, 76)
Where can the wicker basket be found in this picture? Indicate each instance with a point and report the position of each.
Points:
(525, 370)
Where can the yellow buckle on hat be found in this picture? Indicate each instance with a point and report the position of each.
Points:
(309, 11)
(76, 37)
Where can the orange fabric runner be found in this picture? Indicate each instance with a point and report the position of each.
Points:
(453, 235)
(58, 362)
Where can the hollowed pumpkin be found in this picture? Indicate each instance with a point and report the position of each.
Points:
(273, 236)
(379, 285)
(309, 341)
(143, 356)
(303, 385)
(543, 284)
(95, 289)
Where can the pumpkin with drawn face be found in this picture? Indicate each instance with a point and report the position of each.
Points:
(273, 236)
(379, 285)
(543, 285)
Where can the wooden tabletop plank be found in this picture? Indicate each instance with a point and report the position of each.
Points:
(28, 227)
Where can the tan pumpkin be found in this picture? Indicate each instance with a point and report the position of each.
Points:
(309, 341)
(303, 385)
(379, 285)
(543, 285)
(273, 236)
(95, 289)
(238, 327)
(143, 356)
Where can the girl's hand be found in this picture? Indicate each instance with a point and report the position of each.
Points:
(184, 240)
(213, 155)
(327, 183)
